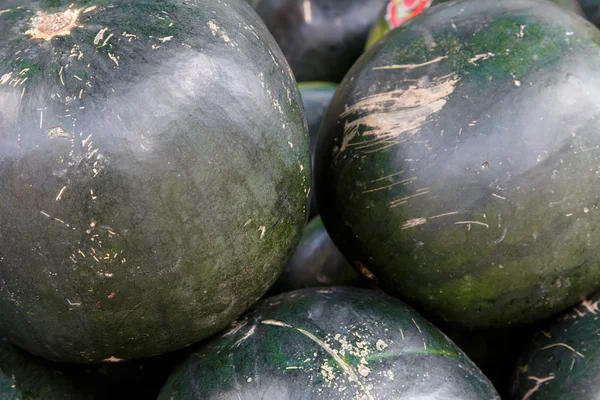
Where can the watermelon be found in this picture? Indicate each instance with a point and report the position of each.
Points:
(316, 97)
(337, 343)
(458, 162)
(140, 379)
(398, 12)
(591, 8)
(320, 39)
(25, 377)
(562, 359)
(154, 173)
(316, 262)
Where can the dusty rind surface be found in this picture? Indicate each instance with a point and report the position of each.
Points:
(316, 97)
(562, 361)
(321, 39)
(336, 343)
(154, 174)
(317, 262)
(458, 162)
(24, 377)
(384, 24)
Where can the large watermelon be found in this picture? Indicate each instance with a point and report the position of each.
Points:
(321, 39)
(337, 343)
(562, 362)
(459, 161)
(154, 172)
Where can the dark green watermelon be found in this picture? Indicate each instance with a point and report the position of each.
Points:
(458, 161)
(337, 343)
(316, 97)
(25, 377)
(591, 8)
(562, 361)
(321, 39)
(495, 351)
(140, 379)
(316, 262)
(398, 12)
(154, 172)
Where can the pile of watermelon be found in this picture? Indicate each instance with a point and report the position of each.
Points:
(299, 199)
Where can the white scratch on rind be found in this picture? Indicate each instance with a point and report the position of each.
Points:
(444, 215)
(472, 222)
(340, 361)
(415, 322)
(538, 384)
(107, 39)
(307, 12)
(411, 223)
(112, 57)
(99, 36)
(5, 78)
(565, 346)
(393, 116)
(413, 66)
(246, 336)
(61, 193)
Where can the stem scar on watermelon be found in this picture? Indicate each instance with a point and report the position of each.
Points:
(59, 24)
(149, 193)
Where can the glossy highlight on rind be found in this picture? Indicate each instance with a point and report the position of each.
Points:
(457, 162)
(334, 343)
(154, 174)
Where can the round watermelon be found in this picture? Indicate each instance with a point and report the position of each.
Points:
(562, 361)
(154, 172)
(337, 343)
(316, 262)
(321, 39)
(458, 161)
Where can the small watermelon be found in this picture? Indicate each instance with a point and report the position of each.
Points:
(336, 343)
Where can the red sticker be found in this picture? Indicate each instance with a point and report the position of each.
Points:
(400, 11)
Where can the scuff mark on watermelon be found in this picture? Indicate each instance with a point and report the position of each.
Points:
(392, 115)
